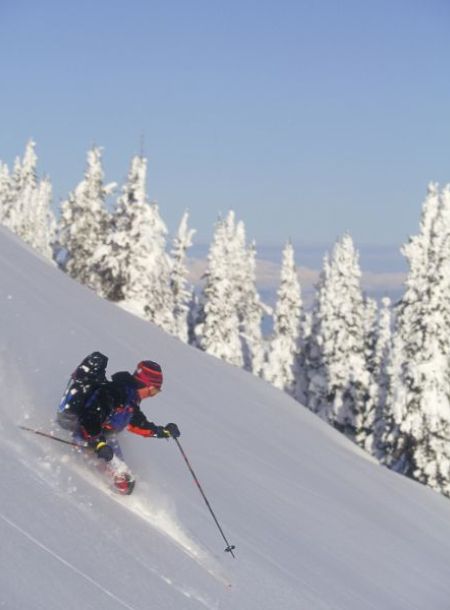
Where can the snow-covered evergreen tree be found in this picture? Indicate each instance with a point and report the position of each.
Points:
(416, 434)
(250, 309)
(193, 317)
(43, 224)
(179, 279)
(132, 262)
(122, 259)
(339, 382)
(250, 312)
(159, 304)
(84, 224)
(20, 193)
(229, 317)
(378, 359)
(26, 184)
(280, 365)
(383, 346)
(378, 337)
(217, 327)
(5, 192)
(25, 202)
(11, 215)
(301, 364)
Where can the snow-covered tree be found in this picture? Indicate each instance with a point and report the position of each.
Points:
(179, 279)
(159, 305)
(335, 352)
(301, 364)
(378, 342)
(43, 224)
(132, 262)
(84, 224)
(193, 317)
(416, 428)
(377, 362)
(383, 346)
(217, 327)
(250, 312)
(21, 189)
(242, 273)
(229, 317)
(5, 192)
(25, 202)
(280, 365)
(121, 261)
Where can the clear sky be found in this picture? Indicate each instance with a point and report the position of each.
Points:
(307, 117)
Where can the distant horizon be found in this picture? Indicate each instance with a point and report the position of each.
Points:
(374, 257)
(383, 270)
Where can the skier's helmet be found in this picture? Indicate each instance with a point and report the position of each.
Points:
(149, 374)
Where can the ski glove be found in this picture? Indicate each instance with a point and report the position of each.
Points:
(173, 430)
(167, 431)
(161, 432)
(104, 451)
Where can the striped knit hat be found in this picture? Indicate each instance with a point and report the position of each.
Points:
(149, 374)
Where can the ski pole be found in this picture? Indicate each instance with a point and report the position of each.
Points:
(54, 438)
(230, 547)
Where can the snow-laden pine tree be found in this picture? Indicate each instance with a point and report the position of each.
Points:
(253, 310)
(181, 292)
(378, 359)
(26, 202)
(132, 262)
(159, 303)
(301, 364)
(25, 183)
(338, 380)
(281, 359)
(193, 317)
(84, 223)
(416, 429)
(242, 271)
(20, 191)
(378, 338)
(122, 259)
(383, 347)
(5, 192)
(42, 224)
(217, 326)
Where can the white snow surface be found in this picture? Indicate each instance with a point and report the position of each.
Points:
(317, 524)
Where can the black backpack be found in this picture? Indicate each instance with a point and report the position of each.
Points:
(86, 378)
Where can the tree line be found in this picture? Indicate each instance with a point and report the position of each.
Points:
(379, 373)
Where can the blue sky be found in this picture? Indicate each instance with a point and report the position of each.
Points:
(309, 118)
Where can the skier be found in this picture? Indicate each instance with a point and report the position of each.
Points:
(95, 410)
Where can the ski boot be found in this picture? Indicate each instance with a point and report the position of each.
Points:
(123, 483)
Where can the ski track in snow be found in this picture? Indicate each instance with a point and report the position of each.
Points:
(157, 517)
(164, 523)
(80, 463)
(55, 471)
(65, 562)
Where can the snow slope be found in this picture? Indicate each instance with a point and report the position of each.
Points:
(317, 524)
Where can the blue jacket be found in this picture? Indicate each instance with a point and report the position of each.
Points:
(114, 406)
